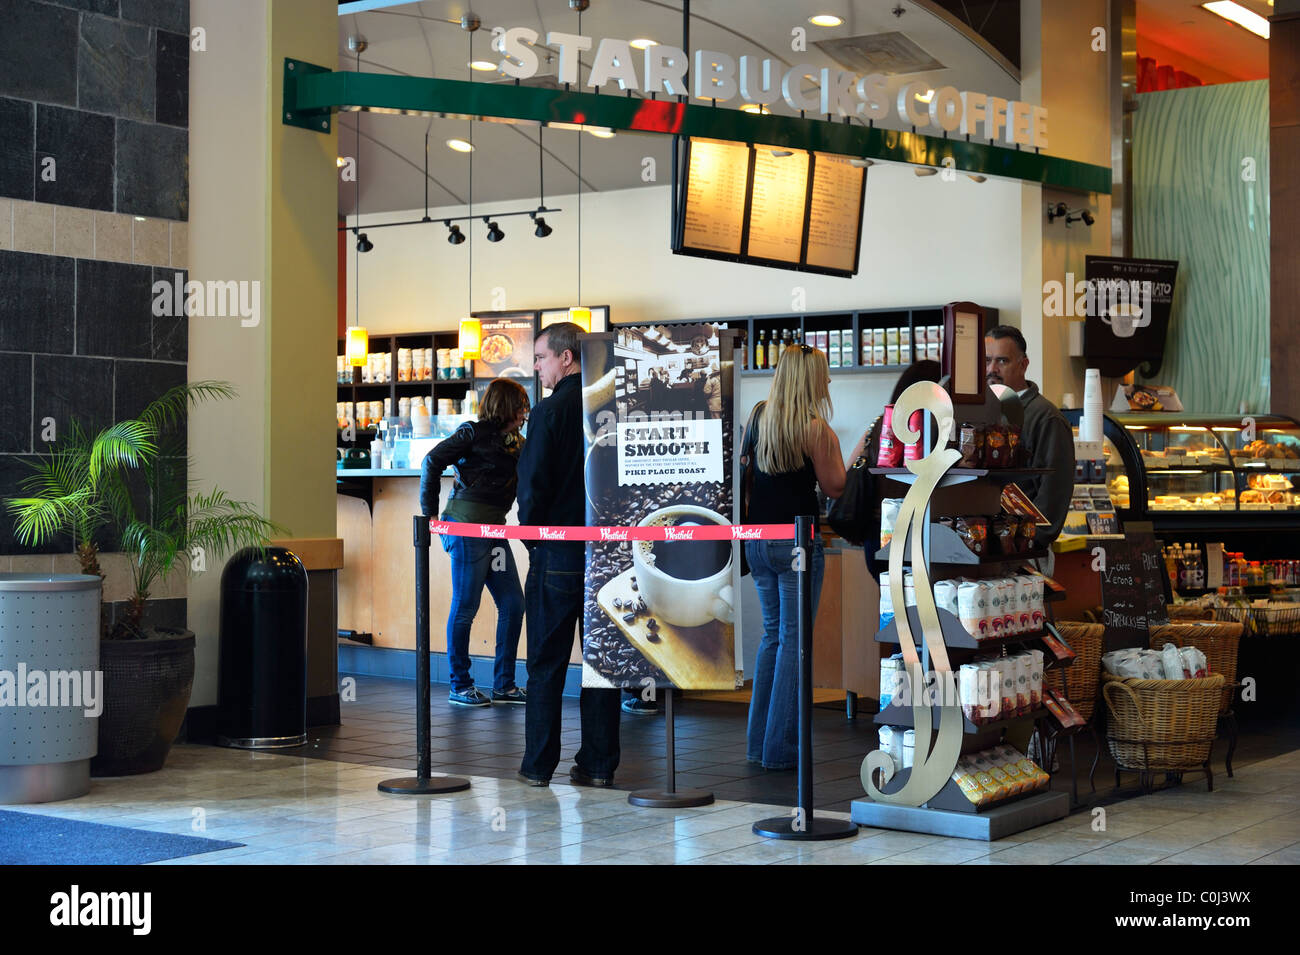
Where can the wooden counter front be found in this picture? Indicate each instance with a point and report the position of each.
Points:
(377, 582)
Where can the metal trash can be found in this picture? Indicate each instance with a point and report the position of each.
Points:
(49, 638)
(262, 690)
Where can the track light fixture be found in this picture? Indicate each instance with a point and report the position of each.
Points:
(1059, 210)
(454, 235)
(494, 231)
(363, 243)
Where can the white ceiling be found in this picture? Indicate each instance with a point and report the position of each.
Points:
(416, 39)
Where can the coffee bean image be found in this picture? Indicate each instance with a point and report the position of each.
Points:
(629, 617)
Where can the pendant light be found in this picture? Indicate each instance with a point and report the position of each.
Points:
(471, 329)
(580, 315)
(358, 346)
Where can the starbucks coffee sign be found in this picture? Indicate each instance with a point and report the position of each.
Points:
(759, 81)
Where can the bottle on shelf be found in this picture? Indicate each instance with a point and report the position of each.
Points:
(744, 351)
(773, 350)
(1171, 567)
(760, 350)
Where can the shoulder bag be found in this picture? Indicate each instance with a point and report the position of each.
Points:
(749, 447)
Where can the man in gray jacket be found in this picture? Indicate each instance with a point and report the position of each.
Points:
(1048, 440)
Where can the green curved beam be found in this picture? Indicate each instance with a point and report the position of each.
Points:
(311, 93)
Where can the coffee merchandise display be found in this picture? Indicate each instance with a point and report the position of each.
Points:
(1168, 663)
(996, 774)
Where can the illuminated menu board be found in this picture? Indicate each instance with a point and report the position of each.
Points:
(834, 213)
(716, 180)
(779, 204)
(770, 205)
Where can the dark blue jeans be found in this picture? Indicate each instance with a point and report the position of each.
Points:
(772, 738)
(553, 595)
(474, 564)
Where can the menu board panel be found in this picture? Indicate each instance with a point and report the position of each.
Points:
(715, 196)
(778, 206)
(834, 213)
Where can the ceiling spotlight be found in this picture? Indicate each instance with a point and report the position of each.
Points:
(494, 231)
(483, 66)
(470, 21)
(758, 108)
(579, 5)
(781, 153)
(454, 235)
(1082, 215)
(926, 171)
(1056, 211)
(600, 132)
(1236, 13)
(861, 163)
(642, 43)
(460, 145)
(974, 177)
(364, 244)
(825, 20)
(542, 230)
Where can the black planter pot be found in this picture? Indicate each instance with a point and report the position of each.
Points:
(147, 687)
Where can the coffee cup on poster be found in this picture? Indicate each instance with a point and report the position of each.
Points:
(1124, 319)
(686, 583)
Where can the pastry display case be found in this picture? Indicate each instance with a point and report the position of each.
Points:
(1203, 472)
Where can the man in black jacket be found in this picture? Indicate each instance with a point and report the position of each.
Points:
(552, 492)
(1048, 440)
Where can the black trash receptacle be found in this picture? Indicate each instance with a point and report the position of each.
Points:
(262, 693)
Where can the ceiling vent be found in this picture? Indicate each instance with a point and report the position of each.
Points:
(888, 53)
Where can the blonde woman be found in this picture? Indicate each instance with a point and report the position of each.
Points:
(796, 451)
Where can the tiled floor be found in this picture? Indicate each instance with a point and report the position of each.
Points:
(379, 729)
(294, 810)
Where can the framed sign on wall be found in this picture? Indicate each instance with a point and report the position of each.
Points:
(963, 351)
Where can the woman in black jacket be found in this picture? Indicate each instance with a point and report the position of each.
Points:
(484, 455)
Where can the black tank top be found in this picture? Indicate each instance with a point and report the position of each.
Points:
(780, 498)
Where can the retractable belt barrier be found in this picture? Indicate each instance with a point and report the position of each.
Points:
(654, 532)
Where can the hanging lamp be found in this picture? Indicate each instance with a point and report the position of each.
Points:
(580, 315)
(471, 329)
(358, 342)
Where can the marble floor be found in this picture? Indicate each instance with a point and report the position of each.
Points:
(294, 810)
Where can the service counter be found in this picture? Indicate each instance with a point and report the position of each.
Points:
(376, 586)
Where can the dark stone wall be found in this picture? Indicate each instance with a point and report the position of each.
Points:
(102, 88)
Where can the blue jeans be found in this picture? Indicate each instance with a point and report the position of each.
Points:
(553, 593)
(474, 563)
(774, 706)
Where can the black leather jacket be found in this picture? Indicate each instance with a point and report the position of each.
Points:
(486, 467)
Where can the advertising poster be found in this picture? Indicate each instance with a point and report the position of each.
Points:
(659, 418)
(507, 348)
(1128, 307)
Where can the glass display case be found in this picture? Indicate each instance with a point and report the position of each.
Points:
(1209, 469)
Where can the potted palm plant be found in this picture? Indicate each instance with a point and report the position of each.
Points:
(165, 528)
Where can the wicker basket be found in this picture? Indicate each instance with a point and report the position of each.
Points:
(1085, 672)
(1163, 725)
(1272, 620)
(1182, 612)
(1218, 640)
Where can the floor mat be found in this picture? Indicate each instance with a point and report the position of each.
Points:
(34, 839)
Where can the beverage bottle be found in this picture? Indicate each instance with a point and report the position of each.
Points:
(744, 351)
(773, 350)
(1180, 568)
(760, 350)
(1198, 571)
(1171, 567)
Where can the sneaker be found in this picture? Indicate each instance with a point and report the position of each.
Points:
(471, 697)
(513, 696)
(639, 707)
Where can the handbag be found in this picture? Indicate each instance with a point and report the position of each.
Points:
(851, 514)
(748, 449)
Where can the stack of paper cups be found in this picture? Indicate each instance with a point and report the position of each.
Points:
(1090, 423)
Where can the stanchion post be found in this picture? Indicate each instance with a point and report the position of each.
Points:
(670, 797)
(803, 824)
(422, 784)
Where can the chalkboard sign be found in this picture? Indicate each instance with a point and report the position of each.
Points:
(1124, 599)
(1155, 578)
